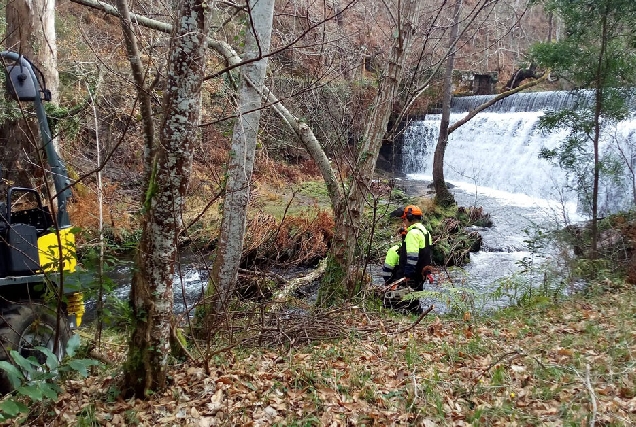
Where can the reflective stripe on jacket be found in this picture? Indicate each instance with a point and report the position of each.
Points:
(391, 261)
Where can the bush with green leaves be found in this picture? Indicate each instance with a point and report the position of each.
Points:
(38, 382)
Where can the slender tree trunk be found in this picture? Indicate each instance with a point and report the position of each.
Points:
(144, 97)
(444, 197)
(241, 162)
(151, 294)
(348, 210)
(598, 108)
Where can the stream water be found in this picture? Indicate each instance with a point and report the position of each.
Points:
(504, 247)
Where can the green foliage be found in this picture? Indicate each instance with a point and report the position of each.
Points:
(598, 42)
(35, 381)
(575, 155)
(117, 312)
(458, 300)
(523, 290)
(317, 190)
(598, 52)
(63, 120)
(86, 417)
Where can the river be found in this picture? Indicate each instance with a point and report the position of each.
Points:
(515, 217)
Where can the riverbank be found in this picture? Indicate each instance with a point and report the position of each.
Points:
(565, 364)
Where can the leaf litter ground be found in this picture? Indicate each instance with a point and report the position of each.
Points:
(566, 364)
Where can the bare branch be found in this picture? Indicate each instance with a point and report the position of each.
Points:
(497, 98)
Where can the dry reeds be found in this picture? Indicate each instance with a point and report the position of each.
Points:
(293, 241)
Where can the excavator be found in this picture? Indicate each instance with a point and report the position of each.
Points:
(37, 244)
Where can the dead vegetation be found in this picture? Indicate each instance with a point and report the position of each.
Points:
(568, 364)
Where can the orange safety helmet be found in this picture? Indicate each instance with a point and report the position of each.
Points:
(408, 212)
(412, 210)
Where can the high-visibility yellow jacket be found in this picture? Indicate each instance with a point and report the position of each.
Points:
(418, 251)
(391, 262)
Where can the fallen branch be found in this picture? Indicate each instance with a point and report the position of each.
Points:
(298, 327)
(419, 319)
(275, 277)
(391, 286)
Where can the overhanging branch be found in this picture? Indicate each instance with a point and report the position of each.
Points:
(497, 98)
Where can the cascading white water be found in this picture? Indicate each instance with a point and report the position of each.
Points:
(499, 149)
(494, 150)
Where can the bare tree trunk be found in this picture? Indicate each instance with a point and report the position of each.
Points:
(598, 108)
(241, 162)
(444, 197)
(340, 280)
(151, 294)
(30, 32)
(142, 91)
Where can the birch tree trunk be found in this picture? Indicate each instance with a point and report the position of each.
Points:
(340, 281)
(30, 32)
(241, 162)
(444, 197)
(151, 294)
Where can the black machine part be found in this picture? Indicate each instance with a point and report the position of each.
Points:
(20, 84)
(19, 232)
(25, 326)
(25, 82)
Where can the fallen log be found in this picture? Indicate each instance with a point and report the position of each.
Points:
(292, 285)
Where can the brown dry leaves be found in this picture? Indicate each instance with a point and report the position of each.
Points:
(558, 366)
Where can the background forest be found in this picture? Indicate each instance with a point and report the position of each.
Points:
(250, 134)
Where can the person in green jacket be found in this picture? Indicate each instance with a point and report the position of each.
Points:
(391, 270)
(415, 252)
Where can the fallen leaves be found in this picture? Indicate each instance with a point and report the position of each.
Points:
(444, 373)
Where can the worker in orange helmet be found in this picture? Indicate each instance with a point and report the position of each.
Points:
(415, 252)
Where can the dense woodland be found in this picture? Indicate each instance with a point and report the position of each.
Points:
(249, 133)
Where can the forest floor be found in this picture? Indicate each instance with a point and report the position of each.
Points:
(566, 363)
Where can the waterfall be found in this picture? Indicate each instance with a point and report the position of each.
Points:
(499, 149)
(533, 101)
